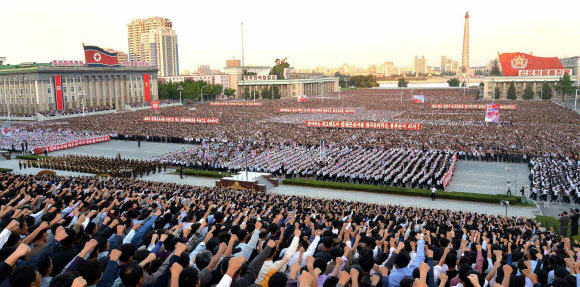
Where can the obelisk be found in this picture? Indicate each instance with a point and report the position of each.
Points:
(465, 55)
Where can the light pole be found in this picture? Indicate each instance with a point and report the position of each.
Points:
(576, 97)
(201, 93)
(180, 88)
(82, 95)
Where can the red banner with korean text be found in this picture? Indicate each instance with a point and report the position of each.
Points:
(317, 110)
(512, 63)
(471, 106)
(363, 125)
(155, 119)
(58, 92)
(248, 104)
(447, 176)
(147, 88)
(72, 144)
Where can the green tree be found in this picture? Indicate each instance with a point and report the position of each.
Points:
(497, 93)
(495, 70)
(481, 84)
(511, 94)
(247, 94)
(276, 92)
(229, 92)
(453, 82)
(266, 94)
(564, 86)
(546, 91)
(528, 93)
(402, 83)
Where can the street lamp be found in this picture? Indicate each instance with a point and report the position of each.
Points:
(82, 95)
(180, 88)
(201, 93)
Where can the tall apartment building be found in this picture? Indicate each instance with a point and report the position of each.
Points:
(420, 65)
(153, 40)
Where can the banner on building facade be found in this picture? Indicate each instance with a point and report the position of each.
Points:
(471, 106)
(98, 57)
(58, 92)
(155, 119)
(492, 113)
(419, 99)
(147, 88)
(363, 125)
(248, 104)
(317, 110)
(513, 63)
(72, 144)
(155, 106)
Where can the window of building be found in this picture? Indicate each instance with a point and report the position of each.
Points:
(72, 89)
(49, 90)
(26, 91)
(21, 91)
(73, 98)
(64, 89)
(50, 100)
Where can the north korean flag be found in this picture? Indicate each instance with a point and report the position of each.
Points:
(97, 57)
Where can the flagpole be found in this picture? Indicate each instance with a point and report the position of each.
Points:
(244, 108)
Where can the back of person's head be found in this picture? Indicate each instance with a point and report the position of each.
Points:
(560, 282)
(140, 255)
(218, 217)
(320, 264)
(202, 259)
(402, 260)
(330, 282)
(23, 276)
(560, 272)
(407, 282)
(463, 270)
(242, 234)
(44, 267)
(70, 239)
(278, 279)
(131, 274)
(189, 277)
(91, 271)
(480, 278)
(366, 262)
(327, 242)
(63, 280)
(542, 277)
(127, 252)
(336, 252)
(451, 260)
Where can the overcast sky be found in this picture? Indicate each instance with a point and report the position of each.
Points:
(310, 33)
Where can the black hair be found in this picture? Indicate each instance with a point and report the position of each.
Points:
(131, 274)
(189, 277)
(23, 276)
(91, 271)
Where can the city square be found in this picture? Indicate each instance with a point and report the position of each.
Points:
(162, 145)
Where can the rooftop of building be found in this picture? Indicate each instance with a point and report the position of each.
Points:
(47, 67)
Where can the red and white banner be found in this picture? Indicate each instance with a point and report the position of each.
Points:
(447, 176)
(147, 88)
(67, 63)
(471, 106)
(302, 99)
(545, 72)
(317, 110)
(181, 120)
(72, 144)
(58, 89)
(492, 113)
(263, 77)
(248, 104)
(363, 125)
(155, 106)
(513, 63)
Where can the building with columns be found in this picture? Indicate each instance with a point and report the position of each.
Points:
(290, 87)
(32, 88)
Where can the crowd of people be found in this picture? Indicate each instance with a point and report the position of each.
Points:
(115, 167)
(396, 167)
(555, 178)
(25, 141)
(54, 113)
(148, 104)
(83, 231)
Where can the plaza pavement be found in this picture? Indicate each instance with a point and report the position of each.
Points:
(129, 149)
(488, 177)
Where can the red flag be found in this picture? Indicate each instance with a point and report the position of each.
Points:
(512, 63)
(147, 87)
(155, 106)
(97, 57)
(58, 89)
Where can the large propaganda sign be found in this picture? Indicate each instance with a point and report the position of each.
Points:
(248, 104)
(317, 110)
(181, 120)
(514, 63)
(471, 106)
(72, 144)
(492, 113)
(363, 125)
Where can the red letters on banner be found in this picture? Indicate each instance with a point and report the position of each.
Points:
(72, 144)
(248, 104)
(363, 125)
(181, 120)
(471, 106)
(317, 110)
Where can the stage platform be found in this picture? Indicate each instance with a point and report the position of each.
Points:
(253, 180)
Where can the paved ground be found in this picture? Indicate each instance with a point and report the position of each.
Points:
(488, 177)
(403, 200)
(466, 178)
(128, 149)
(569, 102)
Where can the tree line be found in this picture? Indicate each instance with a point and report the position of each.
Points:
(192, 90)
